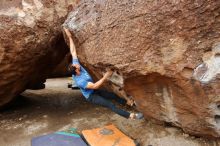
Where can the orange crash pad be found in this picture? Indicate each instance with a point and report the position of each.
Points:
(107, 136)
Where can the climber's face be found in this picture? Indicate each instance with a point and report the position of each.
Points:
(77, 66)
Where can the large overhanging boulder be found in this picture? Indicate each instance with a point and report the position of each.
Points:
(31, 43)
(167, 51)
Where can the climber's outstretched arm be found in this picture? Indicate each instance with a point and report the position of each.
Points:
(72, 45)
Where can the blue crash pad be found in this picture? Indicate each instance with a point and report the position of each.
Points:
(63, 138)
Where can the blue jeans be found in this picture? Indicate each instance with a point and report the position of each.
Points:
(103, 98)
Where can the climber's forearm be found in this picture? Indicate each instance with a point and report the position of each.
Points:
(97, 84)
(72, 48)
(72, 45)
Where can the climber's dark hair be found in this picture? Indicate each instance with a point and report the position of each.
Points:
(72, 69)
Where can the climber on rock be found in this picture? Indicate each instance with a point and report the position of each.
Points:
(90, 89)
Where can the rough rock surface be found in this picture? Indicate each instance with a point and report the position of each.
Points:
(167, 51)
(31, 43)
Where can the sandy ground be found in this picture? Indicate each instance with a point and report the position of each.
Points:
(58, 108)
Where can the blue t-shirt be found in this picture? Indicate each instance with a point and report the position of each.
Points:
(82, 80)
